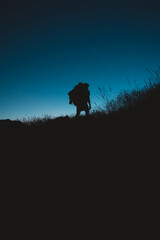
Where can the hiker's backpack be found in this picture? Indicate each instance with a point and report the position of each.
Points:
(79, 95)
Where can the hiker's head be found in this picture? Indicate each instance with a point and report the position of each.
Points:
(86, 85)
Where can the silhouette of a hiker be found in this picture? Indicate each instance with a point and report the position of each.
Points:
(80, 97)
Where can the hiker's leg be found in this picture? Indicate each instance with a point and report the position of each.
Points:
(87, 111)
(78, 112)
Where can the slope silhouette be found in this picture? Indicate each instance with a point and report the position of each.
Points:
(130, 113)
(125, 135)
(103, 165)
(133, 120)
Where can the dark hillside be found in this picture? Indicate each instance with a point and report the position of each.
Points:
(130, 130)
(106, 164)
(132, 116)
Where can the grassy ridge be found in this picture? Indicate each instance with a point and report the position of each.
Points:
(138, 103)
(125, 122)
(110, 159)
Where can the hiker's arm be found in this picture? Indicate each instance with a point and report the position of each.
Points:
(89, 102)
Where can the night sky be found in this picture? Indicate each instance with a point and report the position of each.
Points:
(47, 47)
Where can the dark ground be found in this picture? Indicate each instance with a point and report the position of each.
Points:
(71, 174)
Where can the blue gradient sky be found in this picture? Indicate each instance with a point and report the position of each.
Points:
(47, 47)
